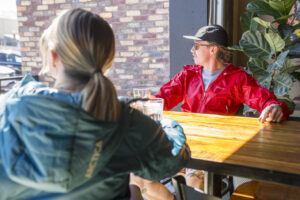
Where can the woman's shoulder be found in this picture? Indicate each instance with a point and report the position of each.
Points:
(28, 86)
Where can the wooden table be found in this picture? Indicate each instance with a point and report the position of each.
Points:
(242, 146)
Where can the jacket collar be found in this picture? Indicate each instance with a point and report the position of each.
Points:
(193, 67)
(230, 69)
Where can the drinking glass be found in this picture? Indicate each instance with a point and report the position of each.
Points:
(154, 108)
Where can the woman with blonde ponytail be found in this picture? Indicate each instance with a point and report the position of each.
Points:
(76, 140)
(81, 55)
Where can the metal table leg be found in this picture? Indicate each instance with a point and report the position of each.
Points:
(208, 182)
(212, 184)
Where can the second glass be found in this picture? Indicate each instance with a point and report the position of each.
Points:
(141, 93)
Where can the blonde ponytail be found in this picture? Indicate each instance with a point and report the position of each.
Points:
(100, 98)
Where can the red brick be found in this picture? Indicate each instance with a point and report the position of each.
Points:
(116, 2)
(140, 18)
(54, 6)
(140, 42)
(154, 6)
(147, 12)
(133, 60)
(162, 60)
(28, 23)
(23, 8)
(149, 35)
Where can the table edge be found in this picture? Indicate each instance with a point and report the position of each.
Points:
(245, 171)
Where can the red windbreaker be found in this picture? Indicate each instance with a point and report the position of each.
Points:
(224, 96)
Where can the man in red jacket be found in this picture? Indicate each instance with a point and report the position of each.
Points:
(214, 86)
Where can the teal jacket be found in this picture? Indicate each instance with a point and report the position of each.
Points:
(50, 148)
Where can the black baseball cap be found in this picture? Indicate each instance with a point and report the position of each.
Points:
(211, 33)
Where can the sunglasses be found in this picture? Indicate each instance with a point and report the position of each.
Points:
(197, 45)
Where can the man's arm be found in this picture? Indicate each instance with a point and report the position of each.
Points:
(262, 100)
(172, 92)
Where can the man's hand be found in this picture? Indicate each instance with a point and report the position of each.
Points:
(272, 113)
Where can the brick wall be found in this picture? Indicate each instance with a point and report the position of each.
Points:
(141, 29)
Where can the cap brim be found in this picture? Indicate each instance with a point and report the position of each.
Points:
(191, 37)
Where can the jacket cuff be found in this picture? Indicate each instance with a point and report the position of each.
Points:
(285, 108)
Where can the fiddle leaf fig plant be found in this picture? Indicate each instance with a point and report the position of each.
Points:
(269, 47)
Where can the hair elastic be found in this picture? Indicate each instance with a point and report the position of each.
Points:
(97, 71)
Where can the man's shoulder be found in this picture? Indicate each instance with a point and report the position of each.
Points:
(232, 69)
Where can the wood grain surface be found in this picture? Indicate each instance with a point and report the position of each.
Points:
(242, 141)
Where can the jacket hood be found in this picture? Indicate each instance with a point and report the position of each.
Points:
(50, 143)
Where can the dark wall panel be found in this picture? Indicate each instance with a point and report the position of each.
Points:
(186, 16)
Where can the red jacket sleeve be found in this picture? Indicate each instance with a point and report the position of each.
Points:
(258, 97)
(173, 91)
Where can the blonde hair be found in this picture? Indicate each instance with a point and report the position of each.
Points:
(85, 44)
(224, 54)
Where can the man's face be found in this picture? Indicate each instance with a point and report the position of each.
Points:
(201, 52)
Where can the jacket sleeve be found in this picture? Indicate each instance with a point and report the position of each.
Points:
(154, 151)
(258, 97)
(173, 91)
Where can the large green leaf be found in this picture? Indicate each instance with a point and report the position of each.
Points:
(296, 75)
(245, 20)
(253, 25)
(283, 6)
(288, 42)
(278, 64)
(249, 112)
(275, 41)
(262, 8)
(254, 45)
(258, 66)
(282, 20)
(289, 67)
(285, 30)
(265, 81)
(262, 22)
(294, 50)
(273, 29)
(247, 23)
(282, 84)
(249, 71)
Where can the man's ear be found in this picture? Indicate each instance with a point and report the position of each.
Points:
(214, 50)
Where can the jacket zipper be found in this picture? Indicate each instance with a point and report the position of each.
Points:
(203, 98)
